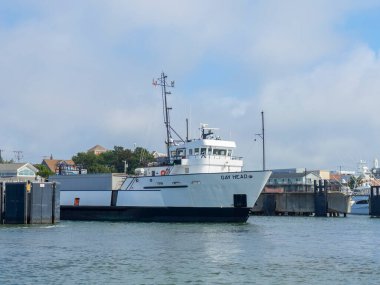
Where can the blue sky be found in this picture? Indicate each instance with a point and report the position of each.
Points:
(74, 74)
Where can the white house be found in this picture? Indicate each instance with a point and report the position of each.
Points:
(17, 172)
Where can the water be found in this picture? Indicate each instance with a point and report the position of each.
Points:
(266, 250)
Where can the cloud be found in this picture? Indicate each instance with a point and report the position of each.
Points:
(75, 74)
(327, 115)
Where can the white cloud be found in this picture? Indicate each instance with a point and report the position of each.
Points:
(328, 115)
(77, 74)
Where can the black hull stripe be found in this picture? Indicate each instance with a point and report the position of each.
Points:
(165, 187)
(155, 214)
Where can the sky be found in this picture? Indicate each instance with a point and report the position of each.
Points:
(74, 74)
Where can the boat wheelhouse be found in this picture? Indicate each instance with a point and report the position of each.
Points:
(208, 154)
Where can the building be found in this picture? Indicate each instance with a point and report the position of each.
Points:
(292, 180)
(18, 172)
(98, 149)
(63, 167)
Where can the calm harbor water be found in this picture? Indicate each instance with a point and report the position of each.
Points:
(266, 250)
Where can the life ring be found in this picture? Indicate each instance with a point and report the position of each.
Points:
(163, 172)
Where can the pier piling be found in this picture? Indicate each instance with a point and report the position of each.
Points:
(374, 201)
(269, 205)
(29, 203)
(320, 198)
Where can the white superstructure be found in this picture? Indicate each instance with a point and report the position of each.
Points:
(207, 154)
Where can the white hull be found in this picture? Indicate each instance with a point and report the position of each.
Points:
(189, 190)
(360, 205)
(211, 193)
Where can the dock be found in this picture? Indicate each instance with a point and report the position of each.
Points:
(301, 204)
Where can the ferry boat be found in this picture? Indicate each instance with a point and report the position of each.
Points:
(200, 180)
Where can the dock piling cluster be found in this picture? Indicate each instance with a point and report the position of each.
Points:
(29, 203)
(320, 203)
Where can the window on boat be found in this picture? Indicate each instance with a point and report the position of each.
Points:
(181, 152)
(203, 151)
(209, 151)
(196, 151)
(229, 152)
(361, 202)
(218, 151)
(191, 151)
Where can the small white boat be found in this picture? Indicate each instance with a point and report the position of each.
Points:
(359, 205)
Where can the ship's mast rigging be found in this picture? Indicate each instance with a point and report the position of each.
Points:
(166, 110)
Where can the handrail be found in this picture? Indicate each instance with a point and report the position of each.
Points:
(130, 183)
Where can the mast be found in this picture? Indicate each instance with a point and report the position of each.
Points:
(164, 85)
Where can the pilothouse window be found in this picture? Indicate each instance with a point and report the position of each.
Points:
(181, 152)
(221, 152)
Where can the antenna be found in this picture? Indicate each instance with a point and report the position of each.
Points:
(187, 129)
(18, 155)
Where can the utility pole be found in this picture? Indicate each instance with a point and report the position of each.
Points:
(125, 166)
(262, 124)
(18, 155)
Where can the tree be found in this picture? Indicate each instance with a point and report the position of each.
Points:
(355, 182)
(43, 170)
(91, 162)
(113, 160)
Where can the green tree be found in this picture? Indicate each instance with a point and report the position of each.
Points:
(113, 160)
(91, 162)
(355, 182)
(43, 170)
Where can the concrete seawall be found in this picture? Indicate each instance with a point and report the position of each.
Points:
(299, 204)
